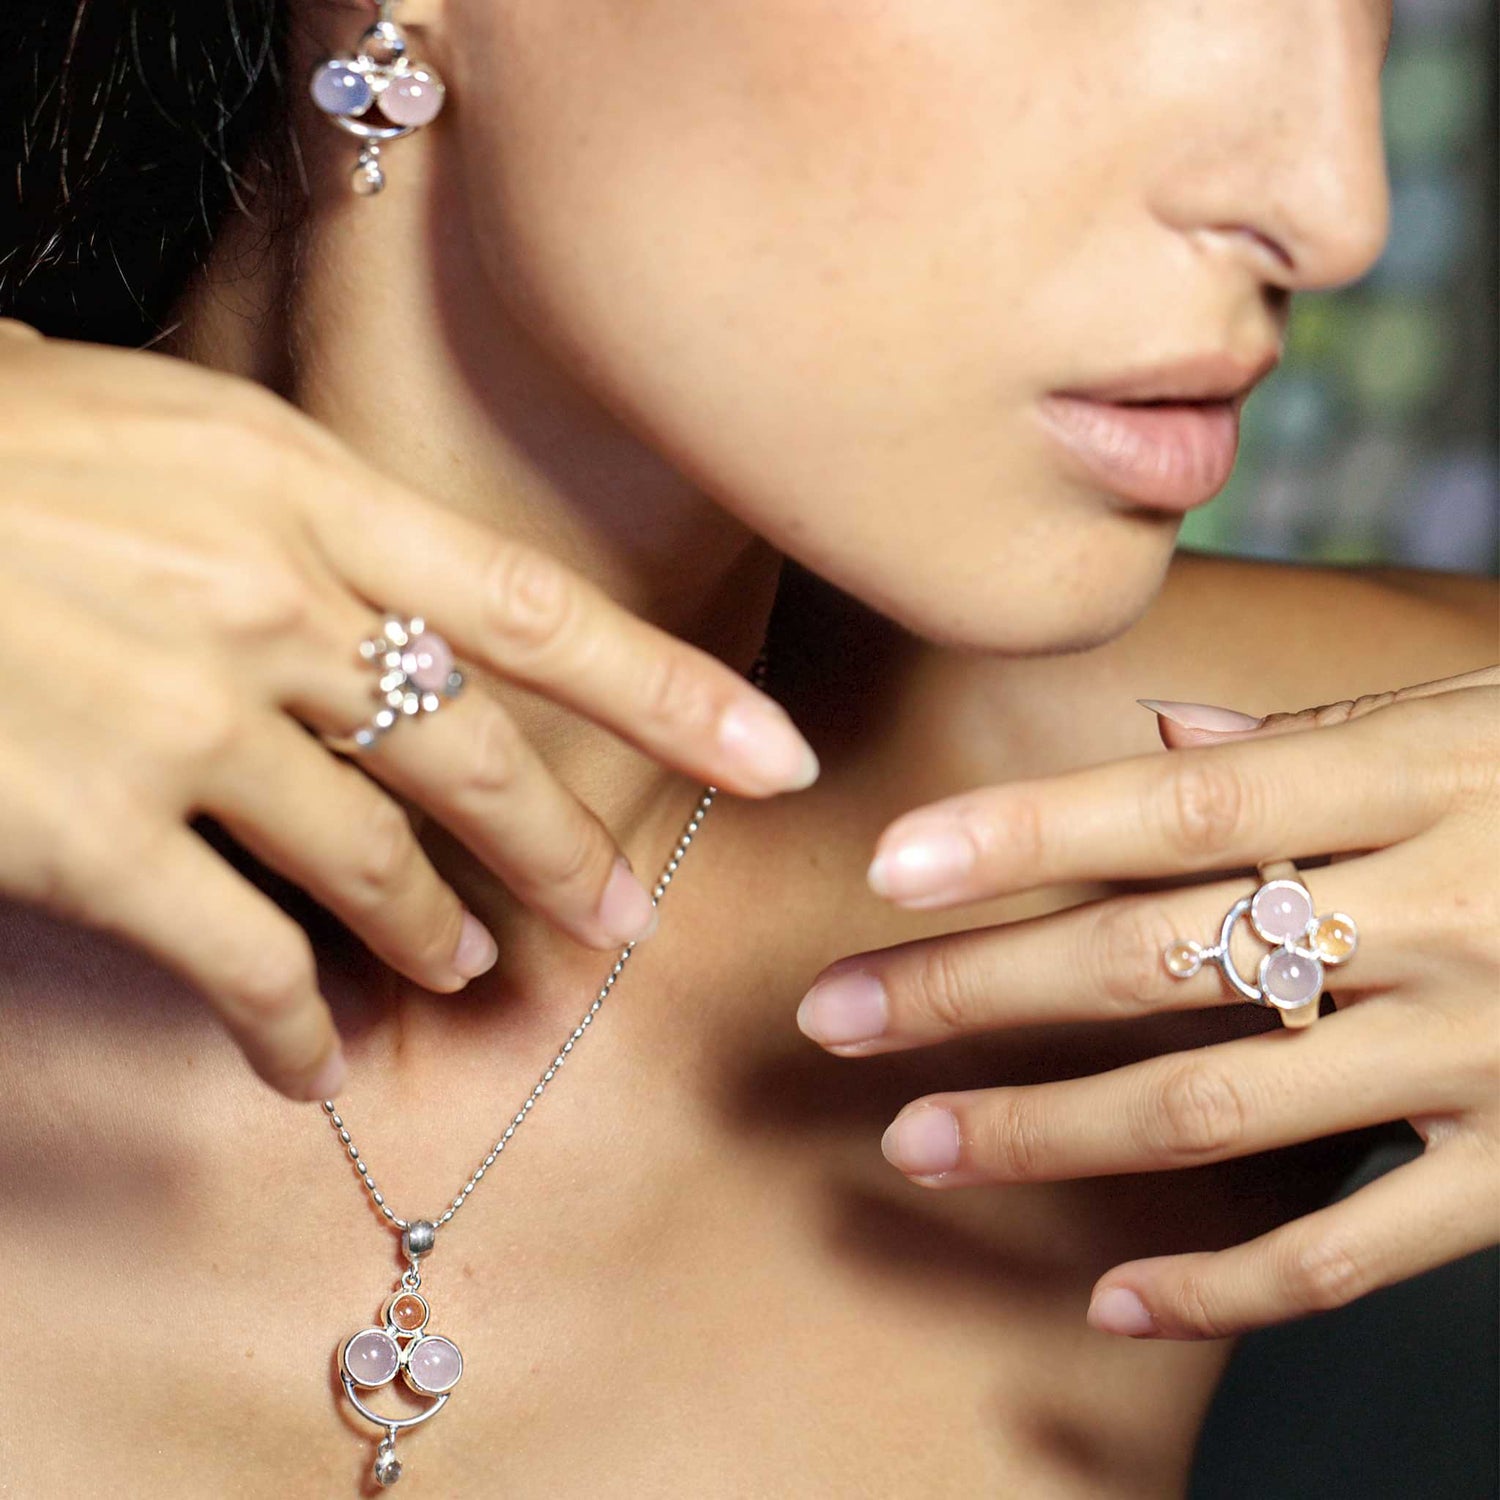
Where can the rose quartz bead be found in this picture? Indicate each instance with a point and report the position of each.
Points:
(1281, 910)
(427, 660)
(1291, 978)
(413, 98)
(434, 1365)
(371, 1357)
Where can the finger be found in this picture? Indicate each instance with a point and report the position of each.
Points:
(1183, 723)
(477, 774)
(186, 907)
(1372, 1063)
(1100, 961)
(1411, 1219)
(329, 828)
(532, 620)
(1365, 784)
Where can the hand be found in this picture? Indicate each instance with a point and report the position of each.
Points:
(1410, 777)
(187, 565)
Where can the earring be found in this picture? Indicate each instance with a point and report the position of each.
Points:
(377, 95)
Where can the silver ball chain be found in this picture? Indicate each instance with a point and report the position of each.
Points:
(367, 1179)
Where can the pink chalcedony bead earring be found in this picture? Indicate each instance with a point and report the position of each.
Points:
(377, 94)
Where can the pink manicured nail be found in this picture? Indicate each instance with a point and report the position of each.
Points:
(925, 865)
(1118, 1310)
(843, 1008)
(476, 949)
(625, 911)
(765, 744)
(329, 1079)
(1200, 715)
(922, 1141)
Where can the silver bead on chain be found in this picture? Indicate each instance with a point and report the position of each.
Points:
(679, 853)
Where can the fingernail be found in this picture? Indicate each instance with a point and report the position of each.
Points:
(922, 1141)
(923, 865)
(625, 913)
(765, 744)
(329, 1079)
(476, 950)
(1200, 715)
(843, 1008)
(1118, 1310)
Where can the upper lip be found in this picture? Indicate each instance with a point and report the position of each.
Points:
(1197, 377)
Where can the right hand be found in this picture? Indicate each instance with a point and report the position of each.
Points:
(186, 566)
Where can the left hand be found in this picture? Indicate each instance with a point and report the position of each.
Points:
(1404, 786)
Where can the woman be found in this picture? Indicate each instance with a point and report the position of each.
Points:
(955, 306)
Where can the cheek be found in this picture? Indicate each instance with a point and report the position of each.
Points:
(801, 247)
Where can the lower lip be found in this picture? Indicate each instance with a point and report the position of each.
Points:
(1170, 457)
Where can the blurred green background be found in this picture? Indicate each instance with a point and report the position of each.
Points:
(1376, 440)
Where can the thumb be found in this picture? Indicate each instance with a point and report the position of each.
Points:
(1180, 723)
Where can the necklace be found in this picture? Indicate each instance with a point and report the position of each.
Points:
(429, 1363)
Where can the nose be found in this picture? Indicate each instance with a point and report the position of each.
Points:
(1287, 169)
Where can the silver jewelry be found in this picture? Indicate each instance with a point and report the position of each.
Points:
(429, 1363)
(1290, 975)
(377, 94)
(414, 672)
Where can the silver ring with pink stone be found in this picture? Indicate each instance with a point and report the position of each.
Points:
(1305, 942)
(377, 94)
(415, 673)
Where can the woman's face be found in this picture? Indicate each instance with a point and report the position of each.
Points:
(834, 257)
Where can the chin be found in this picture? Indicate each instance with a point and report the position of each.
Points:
(1071, 581)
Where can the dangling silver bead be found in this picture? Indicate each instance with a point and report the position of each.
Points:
(418, 1238)
(387, 1465)
(367, 179)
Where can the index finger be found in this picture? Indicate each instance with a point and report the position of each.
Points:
(520, 612)
(1358, 785)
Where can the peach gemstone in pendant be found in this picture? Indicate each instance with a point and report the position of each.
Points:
(1183, 958)
(1335, 937)
(408, 1312)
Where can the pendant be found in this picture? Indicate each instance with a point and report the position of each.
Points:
(374, 1357)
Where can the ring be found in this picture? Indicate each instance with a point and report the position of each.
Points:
(414, 672)
(1290, 976)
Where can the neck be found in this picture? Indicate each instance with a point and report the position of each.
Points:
(386, 331)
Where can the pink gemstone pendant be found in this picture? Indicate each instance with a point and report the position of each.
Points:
(371, 1358)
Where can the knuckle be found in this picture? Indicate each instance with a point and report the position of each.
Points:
(529, 599)
(674, 695)
(1204, 803)
(383, 854)
(933, 995)
(1329, 714)
(1197, 1111)
(272, 979)
(496, 756)
(1126, 945)
(1323, 1272)
(1008, 1141)
(1194, 1307)
(579, 857)
(187, 714)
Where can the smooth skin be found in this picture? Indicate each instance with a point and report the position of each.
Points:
(672, 292)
